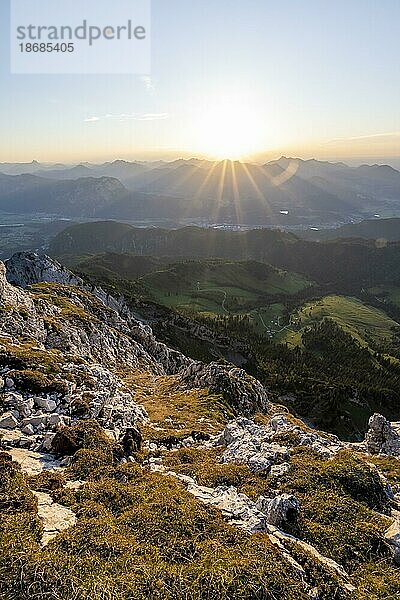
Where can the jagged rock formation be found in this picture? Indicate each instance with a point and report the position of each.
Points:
(27, 268)
(382, 436)
(281, 510)
(243, 392)
(10, 295)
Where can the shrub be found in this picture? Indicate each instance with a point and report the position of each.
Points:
(47, 481)
(85, 434)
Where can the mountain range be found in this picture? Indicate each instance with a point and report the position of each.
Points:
(290, 193)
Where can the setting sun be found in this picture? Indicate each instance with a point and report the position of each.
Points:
(229, 129)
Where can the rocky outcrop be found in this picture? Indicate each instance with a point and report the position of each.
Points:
(240, 511)
(112, 334)
(281, 511)
(244, 393)
(55, 517)
(382, 436)
(9, 295)
(27, 268)
(34, 419)
(260, 447)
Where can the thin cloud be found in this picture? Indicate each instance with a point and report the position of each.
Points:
(372, 136)
(128, 117)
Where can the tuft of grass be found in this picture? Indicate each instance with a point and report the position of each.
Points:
(15, 496)
(47, 481)
(27, 356)
(339, 500)
(377, 580)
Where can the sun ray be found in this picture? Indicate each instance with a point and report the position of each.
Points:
(192, 170)
(253, 182)
(206, 180)
(197, 197)
(220, 191)
(236, 195)
(264, 203)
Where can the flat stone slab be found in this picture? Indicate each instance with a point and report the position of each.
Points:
(55, 518)
(33, 463)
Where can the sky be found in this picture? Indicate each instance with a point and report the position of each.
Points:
(247, 79)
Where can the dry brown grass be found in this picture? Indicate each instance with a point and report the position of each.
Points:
(174, 410)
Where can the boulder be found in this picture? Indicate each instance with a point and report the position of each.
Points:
(392, 538)
(8, 421)
(243, 392)
(280, 511)
(45, 404)
(56, 420)
(35, 420)
(382, 437)
(248, 443)
(28, 430)
(13, 399)
(47, 442)
(25, 408)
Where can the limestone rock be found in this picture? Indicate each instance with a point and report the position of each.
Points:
(8, 421)
(45, 404)
(28, 430)
(26, 268)
(56, 420)
(48, 438)
(10, 295)
(35, 420)
(281, 510)
(25, 407)
(258, 446)
(392, 537)
(243, 392)
(382, 436)
(32, 462)
(55, 518)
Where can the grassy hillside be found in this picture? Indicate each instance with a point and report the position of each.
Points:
(220, 286)
(364, 323)
(124, 265)
(211, 288)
